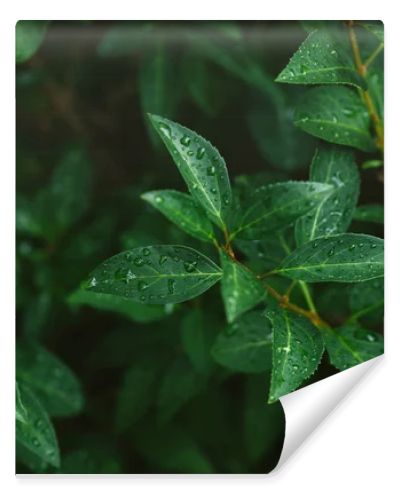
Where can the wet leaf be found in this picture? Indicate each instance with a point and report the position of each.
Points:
(159, 274)
(201, 166)
(275, 206)
(375, 27)
(366, 301)
(245, 346)
(343, 258)
(335, 166)
(350, 345)
(297, 348)
(56, 386)
(29, 36)
(36, 434)
(181, 209)
(335, 114)
(321, 60)
(241, 290)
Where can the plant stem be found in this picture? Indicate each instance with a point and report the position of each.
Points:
(362, 71)
(307, 296)
(374, 54)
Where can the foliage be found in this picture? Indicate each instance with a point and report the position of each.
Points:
(162, 311)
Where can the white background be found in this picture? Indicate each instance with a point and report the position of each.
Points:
(355, 452)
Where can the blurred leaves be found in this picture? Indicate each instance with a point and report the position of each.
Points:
(28, 36)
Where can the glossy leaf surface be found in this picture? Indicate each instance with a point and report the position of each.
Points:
(320, 60)
(241, 290)
(350, 345)
(158, 274)
(335, 114)
(36, 434)
(335, 166)
(181, 209)
(297, 347)
(201, 166)
(276, 206)
(343, 258)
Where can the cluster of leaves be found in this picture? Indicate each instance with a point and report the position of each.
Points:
(181, 379)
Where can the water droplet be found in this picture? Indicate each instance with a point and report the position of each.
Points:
(139, 261)
(331, 252)
(158, 199)
(142, 285)
(200, 153)
(165, 129)
(190, 153)
(142, 298)
(162, 260)
(36, 442)
(211, 170)
(185, 140)
(92, 283)
(315, 244)
(120, 274)
(190, 266)
(171, 286)
(146, 251)
(373, 245)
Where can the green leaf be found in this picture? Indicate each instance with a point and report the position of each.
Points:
(90, 461)
(29, 36)
(21, 413)
(333, 214)
(159, 274)
(136, 393)
(179, 384)
(201, 166)
(263, 255)
(36, 435)
(276, 206)
(376, 28)
(343, 258)
(297, 348)
(197, 335)
(135, 311)
(350, 345)
(335, 114)
(56, 386)
(369, 213)
(321, 60)
(241, 290)
(181, 209)
(245, 346)
(375, 81)
(366, 301)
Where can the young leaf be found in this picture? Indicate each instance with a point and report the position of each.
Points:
(320, 60)
(28, 38)
(201, 166)
(297, 348)
(350, 345)
(369, 213)
(181, 209)
(241, 290)
(245, 346)
(335, 114)
(179, 384)
(197, 335)
(366, 301)
(56, 386)
(331, 165)
(36, 434)
(159, 274)
(344, 258)
(136, 393)
(276, 206)
(142, 313)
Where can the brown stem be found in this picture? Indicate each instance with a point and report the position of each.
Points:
(362, 70)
